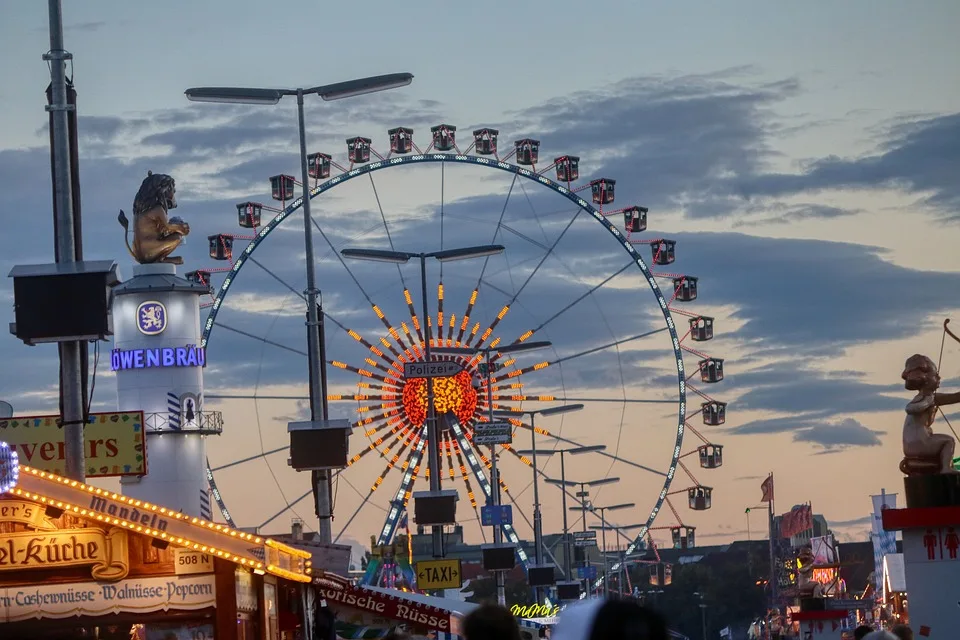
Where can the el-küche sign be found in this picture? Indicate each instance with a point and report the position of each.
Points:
(187, 356)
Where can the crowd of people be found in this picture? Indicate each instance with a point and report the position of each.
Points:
(598, 619)
(585, 620)
(897, 632)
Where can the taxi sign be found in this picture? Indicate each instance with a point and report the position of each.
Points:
(439, 574)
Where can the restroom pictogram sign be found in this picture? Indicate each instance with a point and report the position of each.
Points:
(941, 544)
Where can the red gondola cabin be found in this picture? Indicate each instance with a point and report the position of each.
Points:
(281, 187)
(568, 168)
(248, 214)
(401, 140)
(485, 141)
(444, 137)
(221, 246)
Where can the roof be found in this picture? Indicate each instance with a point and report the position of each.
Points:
(894, 577)
(262, 555)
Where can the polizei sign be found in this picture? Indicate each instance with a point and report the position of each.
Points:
(160, 357)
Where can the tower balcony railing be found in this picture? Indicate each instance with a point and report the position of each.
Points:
(203, 423)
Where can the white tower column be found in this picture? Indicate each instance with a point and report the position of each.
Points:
(159, 367)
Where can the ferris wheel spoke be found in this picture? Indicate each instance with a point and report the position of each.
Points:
(587, 294)
(263, 340)
(258, 456)
(443, 194)
(525, 237)
(615, 343)
(288, 507)
(463, 474)
(496, 230)
(399, 502)
(485, 485)
(386, 227)
(366, 499)
(611, 456)
(549, 252)
(342, 261)
(277, 278)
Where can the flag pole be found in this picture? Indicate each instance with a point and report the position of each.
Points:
(773, 564)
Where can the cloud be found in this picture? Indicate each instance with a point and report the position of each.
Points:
(856, 522)
(831, 436)
(686, 144)
(915, 156)
(680, 139)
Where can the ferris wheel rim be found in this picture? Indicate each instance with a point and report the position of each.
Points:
(537, 178)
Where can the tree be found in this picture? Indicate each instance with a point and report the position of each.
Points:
(730, 592)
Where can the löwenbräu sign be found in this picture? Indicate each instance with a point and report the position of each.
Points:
(188, 356)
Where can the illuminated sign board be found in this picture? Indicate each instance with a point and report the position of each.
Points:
(137, 595)
(113, 443)
(105, 553)
(151, 318)
(187, 356)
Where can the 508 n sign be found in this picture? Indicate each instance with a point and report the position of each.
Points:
(189, 562)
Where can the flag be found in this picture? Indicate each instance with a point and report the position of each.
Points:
(767, 488)
(884, 542)
(797, 520)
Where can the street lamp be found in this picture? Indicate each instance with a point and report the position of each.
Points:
(537, 525)
(582, 494)
(603, 526)
(337, 91)
(703, 613)
(563, 484)
(619, 528)
(402, 257)
(494, 474)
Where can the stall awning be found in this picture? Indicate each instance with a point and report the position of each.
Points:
(894, 577)
(168, 525)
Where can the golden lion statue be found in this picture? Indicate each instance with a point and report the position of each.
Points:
(155, 236)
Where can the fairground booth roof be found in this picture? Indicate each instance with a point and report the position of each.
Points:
(262, 555)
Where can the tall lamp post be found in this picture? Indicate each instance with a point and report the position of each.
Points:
(703, 613)
(582, 494)
(537, 524)
(338, 91)
(603, 526)
(494, 474)
(402, 257)
(563, 484)
(621, 557)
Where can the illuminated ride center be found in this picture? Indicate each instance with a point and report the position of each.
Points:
(390, 411)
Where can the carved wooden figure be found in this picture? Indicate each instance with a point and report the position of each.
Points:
(926, 452)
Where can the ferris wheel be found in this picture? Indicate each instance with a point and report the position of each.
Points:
(576, 271)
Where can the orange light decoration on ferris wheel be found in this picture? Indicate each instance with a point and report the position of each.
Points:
(454, 395)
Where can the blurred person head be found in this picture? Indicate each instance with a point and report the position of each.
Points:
(860, 632)
(606, 619)
(880, 635)
(902, 631)
(490, 622)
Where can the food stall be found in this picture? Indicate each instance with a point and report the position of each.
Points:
(78, 561)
